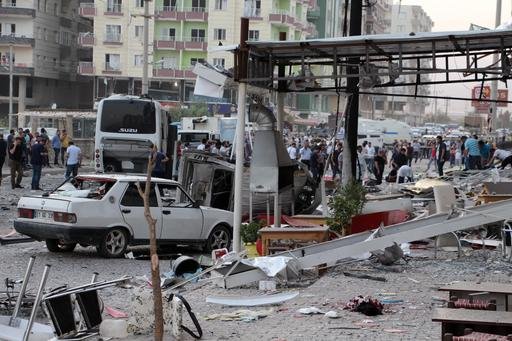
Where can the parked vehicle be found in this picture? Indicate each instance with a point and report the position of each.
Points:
(126, 127)
(106, 211)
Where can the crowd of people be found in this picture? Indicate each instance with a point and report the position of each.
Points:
(32, 150)
(467, 153)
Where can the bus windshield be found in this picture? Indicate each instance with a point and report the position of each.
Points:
(128, 116)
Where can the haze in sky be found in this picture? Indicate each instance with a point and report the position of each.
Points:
(458, 15)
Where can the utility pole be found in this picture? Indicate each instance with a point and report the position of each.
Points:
(494, 84)
(145, 82)
(352, 116)
(11, 85)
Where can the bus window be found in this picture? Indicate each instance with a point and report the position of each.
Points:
(128, 116)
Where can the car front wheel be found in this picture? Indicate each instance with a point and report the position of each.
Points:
(55, 245)
(113, 243)
(219, 238)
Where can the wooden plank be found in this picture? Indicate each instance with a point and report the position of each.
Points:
(490, 287)
(468, 316)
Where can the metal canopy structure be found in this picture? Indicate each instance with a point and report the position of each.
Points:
(384, 60)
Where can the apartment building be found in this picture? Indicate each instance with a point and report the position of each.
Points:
(406, 19)
(42, 35)
(181, 33)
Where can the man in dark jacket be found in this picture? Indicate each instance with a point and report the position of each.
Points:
(441, 154)
(16, 155)
(37, 161)
(3, 152)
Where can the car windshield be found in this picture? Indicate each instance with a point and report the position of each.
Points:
(128, 116)
(84, 187)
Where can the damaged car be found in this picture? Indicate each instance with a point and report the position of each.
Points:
(107, 211)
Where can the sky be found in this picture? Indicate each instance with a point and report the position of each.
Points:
(457, 15)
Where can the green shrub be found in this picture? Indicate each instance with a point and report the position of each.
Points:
(249, 232)
(346, 203)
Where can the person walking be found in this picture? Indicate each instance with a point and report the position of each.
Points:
(37, 161)
(305, 154)
(64, 144)
(56, 147)
(73, 158)
(3, 152)
(442, 154)
(379, 164)
(159, 158)
(15, 155)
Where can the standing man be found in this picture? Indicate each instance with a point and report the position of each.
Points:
(472, 152)
(292, 151)
(3, 152)
(37, 160)
(442, 154)
(379, 163)
(15, 155)
(305, 154)
(64, 144)
(73, 158)
(10, 137)
(56, 147)
(159, 158)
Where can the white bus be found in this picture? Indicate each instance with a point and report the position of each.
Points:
(126, 126)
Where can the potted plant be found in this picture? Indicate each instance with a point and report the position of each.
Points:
(347, 202)
(249, 234)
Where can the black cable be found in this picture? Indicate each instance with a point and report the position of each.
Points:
(191, 314)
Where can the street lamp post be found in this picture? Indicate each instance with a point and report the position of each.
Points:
(11, 113)
(145, 85)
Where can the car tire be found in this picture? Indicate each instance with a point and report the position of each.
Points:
(219, 238)
(114, 243)
(55, 245)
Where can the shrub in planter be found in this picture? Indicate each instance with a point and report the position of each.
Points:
(249, 232)
(347, 202)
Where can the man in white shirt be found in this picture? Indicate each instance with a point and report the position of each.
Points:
(503, 155)
(202, 146)
(305, 153)
(73, 159)
(292, 151)
(404, 173)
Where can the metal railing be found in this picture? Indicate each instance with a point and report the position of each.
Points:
(252, 12)
(87, 5)
(195, 9)
(168, 8)
(167, 37)
(114, 8)
(195, 39)
(279, 11)
(113, 37)
(109, 66)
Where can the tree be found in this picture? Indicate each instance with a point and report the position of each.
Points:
(194, 110)
(155, 263)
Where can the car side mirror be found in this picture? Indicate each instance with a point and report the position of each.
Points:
(197, 203)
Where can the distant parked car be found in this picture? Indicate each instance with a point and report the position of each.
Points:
(107, 211)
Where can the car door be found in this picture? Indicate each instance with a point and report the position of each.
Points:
(132, 209)
(180, 220)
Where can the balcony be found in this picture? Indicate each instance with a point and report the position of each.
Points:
(87, 9)
(19, 8)
(19, 69)
(166, 42)
(194, 43)
(253, 13)
(280, 16)
(189, 14)
(16, 40)
(86, 68)
(173, 73)
(113, 39)
(112, 68)
(86, 39)
(114, 10)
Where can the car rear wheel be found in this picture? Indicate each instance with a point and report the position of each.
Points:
(113, 243)
(219, 238)
(55, 245)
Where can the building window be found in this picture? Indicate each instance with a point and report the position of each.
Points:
(194, 61)
(139, 3)
(168, 34)
(57, 36)
(197, 34)
(254, 35)
(55, 9)
(45, 34)
(198, 5)
(65, 38)
(139, 32)
(219, 34)
(112, 62)
(219, 62)
(221, 5)
(138, 60)
(169, 5)
(113, 33)
(169, 62)
(114, 6)
(252, 8)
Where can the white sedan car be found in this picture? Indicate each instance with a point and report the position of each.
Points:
(107, 211)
